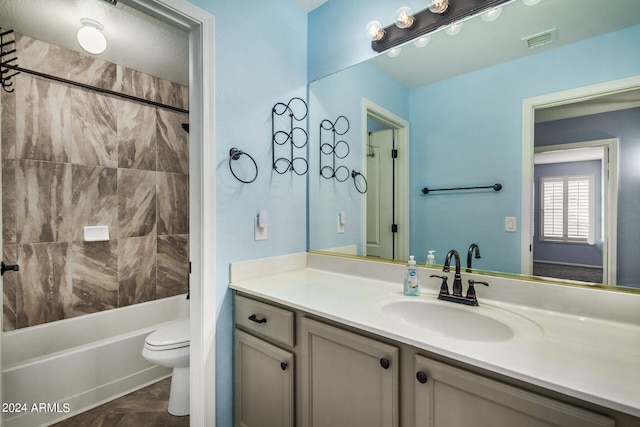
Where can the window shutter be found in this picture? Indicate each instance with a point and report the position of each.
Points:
(567, 209)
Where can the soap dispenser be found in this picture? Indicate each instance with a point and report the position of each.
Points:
(412, 282)
(431, 257)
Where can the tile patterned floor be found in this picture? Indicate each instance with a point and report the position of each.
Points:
(143, 408)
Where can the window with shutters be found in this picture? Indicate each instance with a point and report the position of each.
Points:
(567, 209)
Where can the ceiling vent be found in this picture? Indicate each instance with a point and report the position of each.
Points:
(541, 39)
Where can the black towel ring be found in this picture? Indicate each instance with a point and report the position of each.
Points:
(234, 154)
(354, 175)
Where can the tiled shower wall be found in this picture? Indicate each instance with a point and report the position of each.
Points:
(72, 158)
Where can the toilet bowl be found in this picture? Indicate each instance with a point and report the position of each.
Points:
(169, 346)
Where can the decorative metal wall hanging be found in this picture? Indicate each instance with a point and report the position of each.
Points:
(235, 154)
(331, 148)
(361, 183)
(295, 136)
(8, 59)
(496, 187)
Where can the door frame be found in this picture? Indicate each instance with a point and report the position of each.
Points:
(202, 184)
(400, 127)
(610, 200)
(529, 107)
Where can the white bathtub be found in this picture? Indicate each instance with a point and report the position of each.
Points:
(75, 364)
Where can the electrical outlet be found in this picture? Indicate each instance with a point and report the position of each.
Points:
(260, 232)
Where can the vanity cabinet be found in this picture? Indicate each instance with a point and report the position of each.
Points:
(264, 373)
(347, 380)
(448, 396)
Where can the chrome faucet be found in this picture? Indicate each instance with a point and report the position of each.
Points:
(457, 279)
(472, 248)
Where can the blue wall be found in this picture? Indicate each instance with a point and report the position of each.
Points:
(336, 95)
(468, 131)
(260, 53)
(624, 125)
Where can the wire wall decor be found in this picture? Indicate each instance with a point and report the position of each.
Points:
(235, 154)
(292, 138)
(8, 59)
(332, 148)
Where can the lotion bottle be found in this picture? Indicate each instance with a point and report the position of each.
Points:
(411, 282)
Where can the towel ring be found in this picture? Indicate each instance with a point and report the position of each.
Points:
(234, 154)
(354, 175)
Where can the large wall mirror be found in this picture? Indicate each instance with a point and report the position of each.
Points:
(545, 101)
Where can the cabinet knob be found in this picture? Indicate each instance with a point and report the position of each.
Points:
(283, 366)
(385, 363)
(254, 318)
(421, 377)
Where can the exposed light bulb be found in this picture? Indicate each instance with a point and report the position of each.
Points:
(491, 14)
(530, 2)
(422, 41)
(404, 17)
(439, 6)
(90, 37)
(454, 28)
(374, 28)
(394, 52)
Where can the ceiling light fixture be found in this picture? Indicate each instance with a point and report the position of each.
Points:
(410, 26)
(90, 37)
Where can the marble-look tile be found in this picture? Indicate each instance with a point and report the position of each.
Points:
(173, 142)
(173, 266)
(92, 71)
(43, 201)
(137, 83)
(94, 276)
(173, 203)
(9, 286)
(95, 199)
(8, 201)
(136, 270)
(93, 129)
(43, 113)
(136, 203)
(41, 56)
(173, 94)
(136, 136)
(44, 284)
(8, 120)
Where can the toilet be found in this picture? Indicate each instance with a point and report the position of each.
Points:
(169, 346)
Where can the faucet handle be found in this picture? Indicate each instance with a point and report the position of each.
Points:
(444, 287)
(471, 290)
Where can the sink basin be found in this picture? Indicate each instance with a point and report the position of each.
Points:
(457, 321)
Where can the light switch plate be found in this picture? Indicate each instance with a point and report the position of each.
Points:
(510, 224)
(260, 233)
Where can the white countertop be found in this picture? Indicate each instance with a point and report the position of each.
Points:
(591, 359)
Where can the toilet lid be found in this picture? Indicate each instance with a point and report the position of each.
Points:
(172, 335)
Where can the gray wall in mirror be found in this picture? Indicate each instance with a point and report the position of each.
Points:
(464, 130)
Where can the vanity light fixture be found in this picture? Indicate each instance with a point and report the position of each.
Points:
(454, 28)
(422, 41)
(491, 14)
(392, 53)
(530, 2)
(90, 37)
(410, 26)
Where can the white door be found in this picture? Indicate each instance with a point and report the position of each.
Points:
(380, 203)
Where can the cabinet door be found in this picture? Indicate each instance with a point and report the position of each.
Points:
(347, 380)
(454, 397)
(263, 383)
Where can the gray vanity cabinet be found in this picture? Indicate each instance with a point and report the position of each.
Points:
(447, 396)
(347, 380)
(264, 373)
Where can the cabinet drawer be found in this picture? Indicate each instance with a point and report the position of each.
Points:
(264, 319)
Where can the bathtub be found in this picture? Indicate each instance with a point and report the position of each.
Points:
(72, 365)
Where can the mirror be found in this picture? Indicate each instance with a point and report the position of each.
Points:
(466, 111)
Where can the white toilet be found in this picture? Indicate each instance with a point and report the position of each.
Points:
(169, 346)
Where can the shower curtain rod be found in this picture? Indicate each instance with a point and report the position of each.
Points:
(94, 88)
